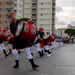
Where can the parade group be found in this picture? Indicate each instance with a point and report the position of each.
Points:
(25, 35)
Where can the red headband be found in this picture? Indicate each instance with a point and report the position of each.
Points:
(41, 28)
(12, 13)
(30, 22)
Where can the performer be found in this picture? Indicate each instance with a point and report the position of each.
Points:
(47, 43)
(5, 32)
(10, 42)
(21, 43)
(41, 34)
(2, 39)
(60, 41)
(38, 40)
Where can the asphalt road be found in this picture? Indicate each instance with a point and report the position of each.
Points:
(61, 62)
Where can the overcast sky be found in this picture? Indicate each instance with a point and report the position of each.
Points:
(65, 13)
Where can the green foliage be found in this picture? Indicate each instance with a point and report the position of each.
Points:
(24, 19)
(70, 32)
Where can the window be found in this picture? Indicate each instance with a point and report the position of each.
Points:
(41, 14)
(15, 5)
(20, 11)
(8, 11)
(41, 3)
(33, 14)
(33, 9)
(0, 9)
(15, 10)
(33, 3)
(0, 3)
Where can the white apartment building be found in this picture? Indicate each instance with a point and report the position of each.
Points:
(44, 14)
(18, 8)
(6, 6)
(60, 32)
(41, 12)
(27, 8)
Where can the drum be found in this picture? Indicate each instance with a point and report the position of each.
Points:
(26, 31)
(50, 39)
(3, 34)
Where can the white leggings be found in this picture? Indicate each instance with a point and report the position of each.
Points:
(2, 46)
(37, 47)
(28, 53)
(15, 54)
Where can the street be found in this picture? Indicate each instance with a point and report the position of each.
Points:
(61, 62)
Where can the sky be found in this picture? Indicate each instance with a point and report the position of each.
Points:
(65, 13)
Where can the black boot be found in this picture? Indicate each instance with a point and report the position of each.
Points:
(19, 52)
(5, 53)
(49, 52)
(9, 51)
(45, 50)
(40, 53)
(17, 64)
(32, 54)
(34, 66)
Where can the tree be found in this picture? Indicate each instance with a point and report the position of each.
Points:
(70, 32)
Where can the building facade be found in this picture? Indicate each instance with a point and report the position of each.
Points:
(6, 6)
(60, 32)
(42, 13)
(18, 8)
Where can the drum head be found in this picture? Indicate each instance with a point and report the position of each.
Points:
(19, 28)
(45, 35)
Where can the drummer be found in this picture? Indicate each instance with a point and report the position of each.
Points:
(2, 39)
(38, 40)
(19, 43)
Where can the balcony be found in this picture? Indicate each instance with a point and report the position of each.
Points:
(53, 23)
(53, 8)
(33, 17)
(9, 1)
(33, 3)
(34, 6)
(53, 13)
(33, 11)
(7, 14)
(9, 6)
(33, 0)
(54, 3)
